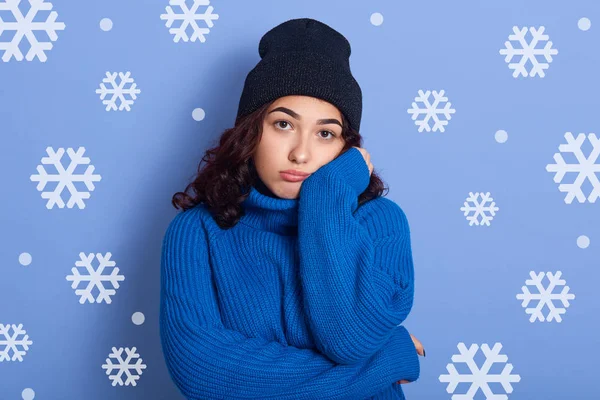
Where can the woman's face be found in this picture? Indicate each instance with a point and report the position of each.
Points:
(301, 133)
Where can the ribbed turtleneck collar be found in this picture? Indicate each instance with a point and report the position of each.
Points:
(266, 211)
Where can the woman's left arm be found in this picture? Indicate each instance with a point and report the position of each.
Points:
(356, 269)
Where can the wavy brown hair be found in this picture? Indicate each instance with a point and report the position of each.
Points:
(223, 182)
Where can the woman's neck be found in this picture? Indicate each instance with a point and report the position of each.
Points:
(262, 188)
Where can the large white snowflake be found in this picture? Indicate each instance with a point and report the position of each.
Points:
(124, 366)
(431, 111)
(65, 177)
(95, 278)
(24, 26)
(528, 52)
(479, 378)
(118, 91)
(545, 296)
(479, 208)
(18, 342)
(586, 168)
(188, 18)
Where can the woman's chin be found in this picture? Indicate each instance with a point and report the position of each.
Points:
(288, 190)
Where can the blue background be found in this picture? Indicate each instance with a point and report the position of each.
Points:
(466, 277)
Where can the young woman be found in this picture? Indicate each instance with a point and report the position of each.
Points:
(288, 274)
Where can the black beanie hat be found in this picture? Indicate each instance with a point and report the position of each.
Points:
(306, 57)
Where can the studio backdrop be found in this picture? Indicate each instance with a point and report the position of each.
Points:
(480, 116)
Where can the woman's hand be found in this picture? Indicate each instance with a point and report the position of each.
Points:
(367, 158)
(420, 351)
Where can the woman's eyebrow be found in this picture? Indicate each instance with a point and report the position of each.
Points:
(298, 117)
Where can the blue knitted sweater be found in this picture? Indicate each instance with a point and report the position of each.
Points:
(302, 299)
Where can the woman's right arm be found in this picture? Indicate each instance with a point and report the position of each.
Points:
(208, 361)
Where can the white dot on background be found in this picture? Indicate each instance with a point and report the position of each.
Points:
(584, 23)
(501, 136)
(377, 19)
(28, 394)
(25, 258)
(198, 114)
(106, 24)
(583, 241)
(138, 318)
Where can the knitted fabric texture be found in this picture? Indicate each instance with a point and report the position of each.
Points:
(302, 299)
(303, 56)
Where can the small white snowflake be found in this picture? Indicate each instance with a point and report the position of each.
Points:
(528, 52)
(431, 111)
(124, 366)
(95, 278)
(188, 18)
(481, 209)
(18, 342)
(586, 168)
(65, 177)
(479, 378)
(24, 26)
(545, 296)
(118, 91)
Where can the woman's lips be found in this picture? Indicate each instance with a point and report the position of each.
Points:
(293, 178)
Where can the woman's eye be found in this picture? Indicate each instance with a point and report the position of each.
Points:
(279, 122)
(330, 137)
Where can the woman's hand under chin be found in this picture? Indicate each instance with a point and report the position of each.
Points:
(367, 158)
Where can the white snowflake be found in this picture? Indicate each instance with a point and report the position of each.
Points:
(480, 378)
(188, 17)
(528, 52)
(95, 278)
(65, 177)
(585, 168)
(25, 26)
(431, 111)
(15, 342)
(545, 296)
(481, 209)
(118, 91)
(124, 366)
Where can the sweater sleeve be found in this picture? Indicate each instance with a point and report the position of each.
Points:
(208, 361)
(357, 278)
